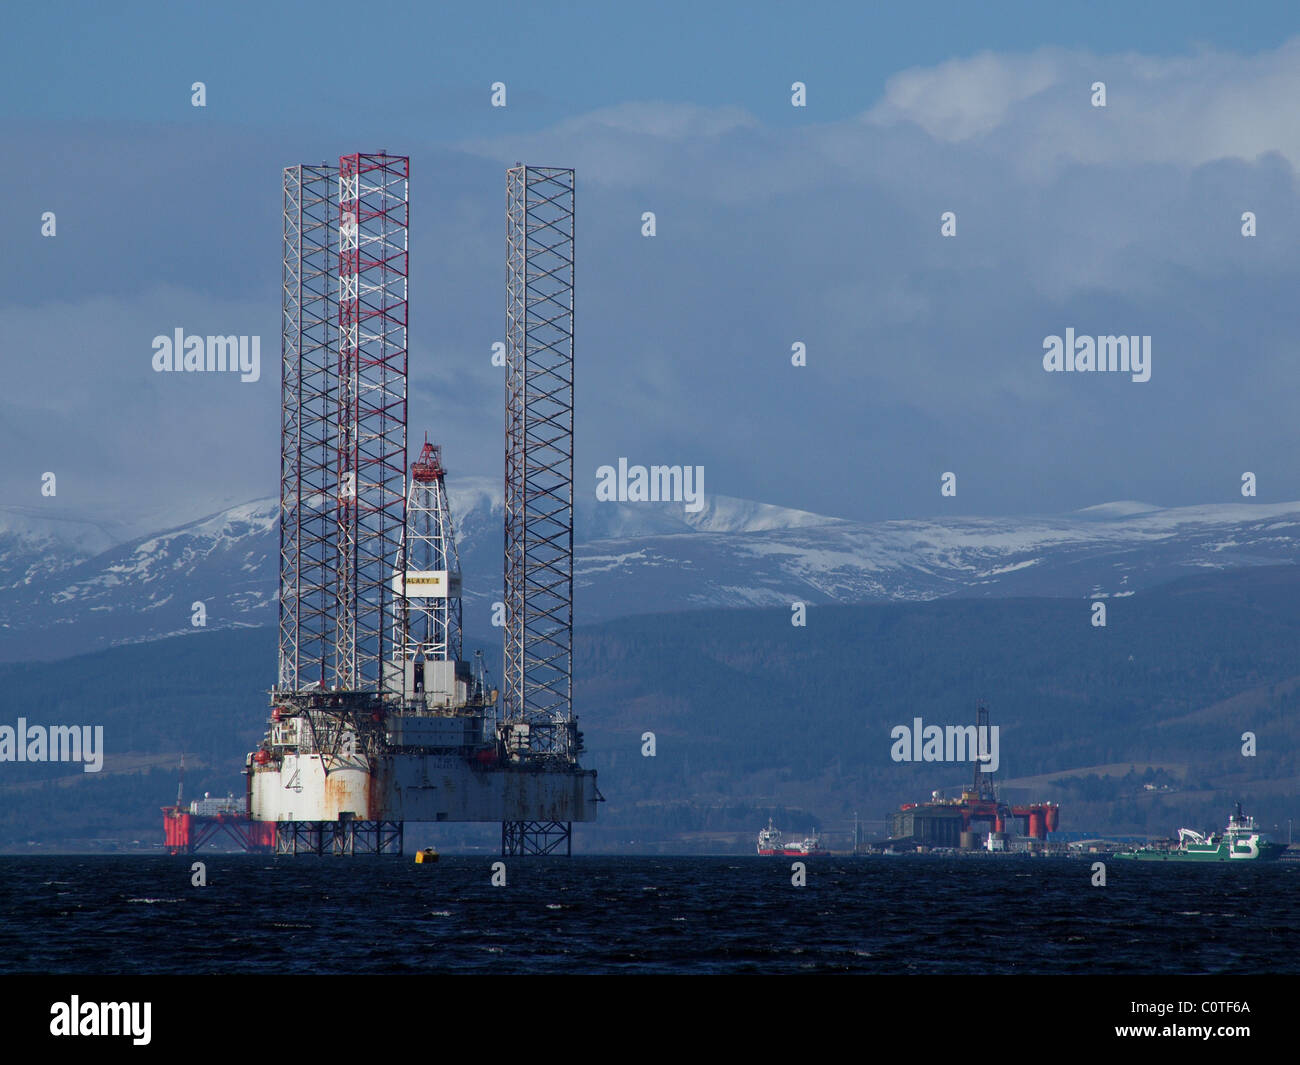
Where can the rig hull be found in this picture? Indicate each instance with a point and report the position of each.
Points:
(419, 787)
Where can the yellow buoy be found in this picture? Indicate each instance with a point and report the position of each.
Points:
(426, 855)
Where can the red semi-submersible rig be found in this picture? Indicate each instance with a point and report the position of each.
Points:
(949, 822)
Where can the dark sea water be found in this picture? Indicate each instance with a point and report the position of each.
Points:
(645, 915)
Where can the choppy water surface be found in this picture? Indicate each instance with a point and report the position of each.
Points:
(668, 915)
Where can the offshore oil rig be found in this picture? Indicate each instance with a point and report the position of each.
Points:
(186, 829)
(376, 719)
(952, 822)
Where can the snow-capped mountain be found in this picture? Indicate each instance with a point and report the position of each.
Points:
(1110, 550)
(67, 587)
(34, 545)
(145, 588)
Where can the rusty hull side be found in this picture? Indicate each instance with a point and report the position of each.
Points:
(314, 795)
(421, 787)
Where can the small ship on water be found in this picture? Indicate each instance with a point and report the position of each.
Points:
(771, 842)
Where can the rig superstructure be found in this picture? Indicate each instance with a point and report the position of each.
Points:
(376, 719)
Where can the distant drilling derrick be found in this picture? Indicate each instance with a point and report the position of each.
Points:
(982, 787)
(375, 718)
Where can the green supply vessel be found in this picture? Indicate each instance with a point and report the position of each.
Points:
(1240, 841)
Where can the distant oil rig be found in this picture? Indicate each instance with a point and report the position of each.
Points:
(952, 822)
(375, 717)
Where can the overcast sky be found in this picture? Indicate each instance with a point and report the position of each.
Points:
(775, 224)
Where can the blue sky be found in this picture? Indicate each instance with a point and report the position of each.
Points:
(274, 63)
(776, 224)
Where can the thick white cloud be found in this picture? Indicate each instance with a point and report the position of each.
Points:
(1182, 110)
(1033, 111)
(964, 98)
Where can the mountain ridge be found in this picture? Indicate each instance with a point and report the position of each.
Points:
(63, 591)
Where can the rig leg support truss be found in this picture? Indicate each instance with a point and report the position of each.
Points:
(371, 411)
(539, 462)
(308, 550)
(338, 837)
(342, 419)
(536, 837)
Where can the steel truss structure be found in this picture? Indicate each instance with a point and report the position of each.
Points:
(539, 460)
(536, 837)
(342, 467)
(187, 833)
(308, 545)
(346, 837)
(343, 419)
(538, 685)
(371, 411)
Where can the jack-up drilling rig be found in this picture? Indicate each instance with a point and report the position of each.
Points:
(375, 719)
